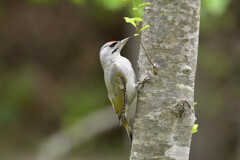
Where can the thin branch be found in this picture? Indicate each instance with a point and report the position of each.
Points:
(154, 68)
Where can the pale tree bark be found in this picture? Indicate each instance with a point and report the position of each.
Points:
(165, 112)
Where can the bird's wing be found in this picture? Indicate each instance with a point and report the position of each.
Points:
(117, 89)
(117, 95)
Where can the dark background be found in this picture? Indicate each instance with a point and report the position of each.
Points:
(51, 77)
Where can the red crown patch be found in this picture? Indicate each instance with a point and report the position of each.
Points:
(111, 41)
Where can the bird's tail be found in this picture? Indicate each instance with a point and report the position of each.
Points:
(127, 127)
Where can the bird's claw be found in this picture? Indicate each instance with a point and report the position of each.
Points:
(141, 83)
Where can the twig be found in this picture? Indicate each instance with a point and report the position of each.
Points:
(138, 32)
(154, 68)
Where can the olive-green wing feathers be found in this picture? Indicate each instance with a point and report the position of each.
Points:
(117, 94)
(117, 89)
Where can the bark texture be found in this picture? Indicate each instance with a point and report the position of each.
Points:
(165, 112)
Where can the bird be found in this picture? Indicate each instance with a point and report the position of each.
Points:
(120, 80)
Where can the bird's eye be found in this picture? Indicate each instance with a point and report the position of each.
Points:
(113, 44)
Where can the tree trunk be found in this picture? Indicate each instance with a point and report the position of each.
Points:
(165, 112)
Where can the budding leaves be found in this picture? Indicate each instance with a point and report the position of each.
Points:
(194, 130)
(144, 27)
(143, 5)
(133, 20)
(136, 19)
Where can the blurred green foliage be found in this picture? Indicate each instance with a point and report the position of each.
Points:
(78, 101)
(214, 16)
(216, 7)
(16, 90)
(215, 63)
(78, 2)
(111, 5)
(42, 1)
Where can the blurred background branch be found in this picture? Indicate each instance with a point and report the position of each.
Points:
(59, 144)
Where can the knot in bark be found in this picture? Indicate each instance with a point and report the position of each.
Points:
(183, 108)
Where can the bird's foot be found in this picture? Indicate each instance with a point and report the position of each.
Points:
(143, 79)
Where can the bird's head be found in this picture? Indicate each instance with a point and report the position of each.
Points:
(112, 48)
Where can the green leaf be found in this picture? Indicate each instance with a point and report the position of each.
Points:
(133, 20)
(194, 130)
(195, 103)
(136, 34)
(143, 5)
(144, 27)
(130, 20)
(137, 19)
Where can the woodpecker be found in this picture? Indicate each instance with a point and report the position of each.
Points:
(120, 80)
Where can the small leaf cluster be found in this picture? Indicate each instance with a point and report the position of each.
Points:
(135, 20)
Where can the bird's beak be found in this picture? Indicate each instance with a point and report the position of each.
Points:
(123, 42)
